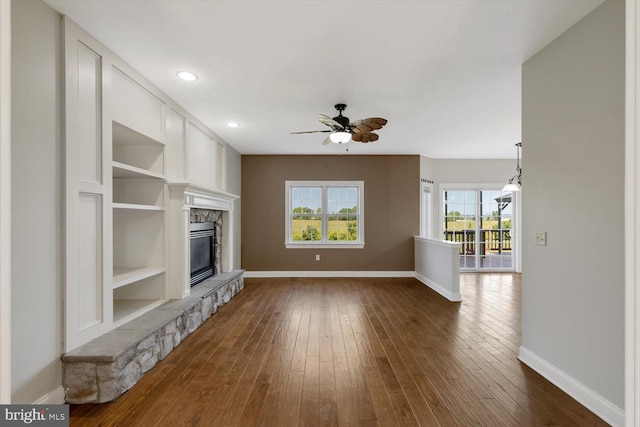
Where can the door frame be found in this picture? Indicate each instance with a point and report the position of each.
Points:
(516, 216)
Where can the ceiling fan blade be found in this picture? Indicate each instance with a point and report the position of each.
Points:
(365, 137)
(329, 121)
(378, 120)
(361, 127)
(367, 125)
(327, 141)
(309, 131)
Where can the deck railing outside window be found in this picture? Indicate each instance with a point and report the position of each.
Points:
(489, 241)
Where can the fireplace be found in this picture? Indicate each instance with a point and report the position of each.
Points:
(203, 241)
(205, 244)
(191, 205)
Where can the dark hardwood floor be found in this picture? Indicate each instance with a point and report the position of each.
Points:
(351, 352)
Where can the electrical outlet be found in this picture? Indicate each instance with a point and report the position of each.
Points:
(317, 257)
(541, 238)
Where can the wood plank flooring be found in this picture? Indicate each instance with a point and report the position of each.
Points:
(351, 352)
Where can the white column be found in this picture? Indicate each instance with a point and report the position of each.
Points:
(227, 241)
(186, 252)
(178, 248)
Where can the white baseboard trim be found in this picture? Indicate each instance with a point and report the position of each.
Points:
(587, 397)
(451, 296)
(263, 274)
(55, 397)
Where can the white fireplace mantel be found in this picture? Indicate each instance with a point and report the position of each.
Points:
(185, 196)
(196, 196)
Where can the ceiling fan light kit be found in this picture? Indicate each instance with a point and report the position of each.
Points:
(340, 137)
(343, 130)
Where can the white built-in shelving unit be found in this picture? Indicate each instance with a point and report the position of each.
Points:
(139, 192)
(125, 143)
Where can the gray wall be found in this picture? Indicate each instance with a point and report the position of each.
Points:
(472, 171)
(234, 186)
(36, 245)
(573, 148)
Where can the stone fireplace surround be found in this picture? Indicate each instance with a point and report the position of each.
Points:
(199, 216)
(111, 364)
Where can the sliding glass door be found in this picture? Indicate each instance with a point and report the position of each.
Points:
(481, 220)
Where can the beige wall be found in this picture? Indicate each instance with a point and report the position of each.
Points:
(391, 212)
(573, 100)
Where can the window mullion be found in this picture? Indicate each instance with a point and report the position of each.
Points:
(479, 202)
(325, 223)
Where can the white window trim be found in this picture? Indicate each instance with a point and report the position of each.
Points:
(324, 244)
(426, 211)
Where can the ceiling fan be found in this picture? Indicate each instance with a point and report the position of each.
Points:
(343, 131)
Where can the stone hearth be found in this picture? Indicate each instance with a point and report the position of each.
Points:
(111, 364)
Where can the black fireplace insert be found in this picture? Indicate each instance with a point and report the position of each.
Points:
(202, 251)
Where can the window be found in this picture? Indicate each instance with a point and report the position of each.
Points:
(324, 214)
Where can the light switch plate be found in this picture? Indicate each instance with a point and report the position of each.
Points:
(541, 238)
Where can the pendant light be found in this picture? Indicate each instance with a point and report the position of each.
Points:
(517, 185)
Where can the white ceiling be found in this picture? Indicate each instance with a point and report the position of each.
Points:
(445, 73)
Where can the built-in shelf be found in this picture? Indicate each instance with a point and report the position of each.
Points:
(135, 153)
(138, 223)
(123, 276)
(128, 309)
(124, 135)
(122, 170)
(131, 206)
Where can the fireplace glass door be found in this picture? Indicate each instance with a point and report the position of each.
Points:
(202, 251)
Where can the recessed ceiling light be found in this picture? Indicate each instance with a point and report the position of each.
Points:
(187, 76)
(233, 124)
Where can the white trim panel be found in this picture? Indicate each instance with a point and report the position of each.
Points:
(587, 397)
(261, 274)
(88, 296)
(451, 296)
